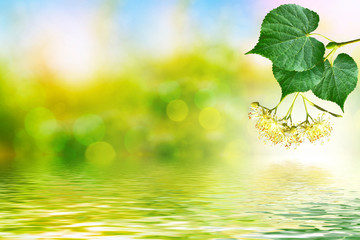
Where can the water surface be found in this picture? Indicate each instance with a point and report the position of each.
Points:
(281, 201)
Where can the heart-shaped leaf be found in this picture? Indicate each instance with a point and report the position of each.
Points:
(284, 38)
(292, 81)
(338, 81)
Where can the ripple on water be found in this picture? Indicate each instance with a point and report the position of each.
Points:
(284, 201)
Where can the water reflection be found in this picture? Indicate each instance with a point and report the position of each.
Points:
(283, 201)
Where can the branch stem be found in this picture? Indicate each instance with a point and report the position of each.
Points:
(348, 42)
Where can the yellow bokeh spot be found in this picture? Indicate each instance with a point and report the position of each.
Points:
(100, 154)
(210, 118)
(177, 110)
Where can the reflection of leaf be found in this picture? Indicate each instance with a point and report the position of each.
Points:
(284, 38)
(292, 81)
(338, 81)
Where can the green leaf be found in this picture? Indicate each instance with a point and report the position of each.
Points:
(284, 38)
(338, 81)
(292, 81)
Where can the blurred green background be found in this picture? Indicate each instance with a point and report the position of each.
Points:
(113, 82)
(105, 82)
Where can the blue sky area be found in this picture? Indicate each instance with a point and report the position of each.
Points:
(139, 19)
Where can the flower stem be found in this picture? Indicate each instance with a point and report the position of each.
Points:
(320, 108)
(306, 110)
(288, 114)
(275, 108)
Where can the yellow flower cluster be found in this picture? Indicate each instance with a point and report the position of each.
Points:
(278, 131)
(319, 130)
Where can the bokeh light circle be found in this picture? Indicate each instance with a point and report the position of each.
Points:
(100, 154)
(89, 129)
(177, 110)
(40, 123)
(210, 118)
